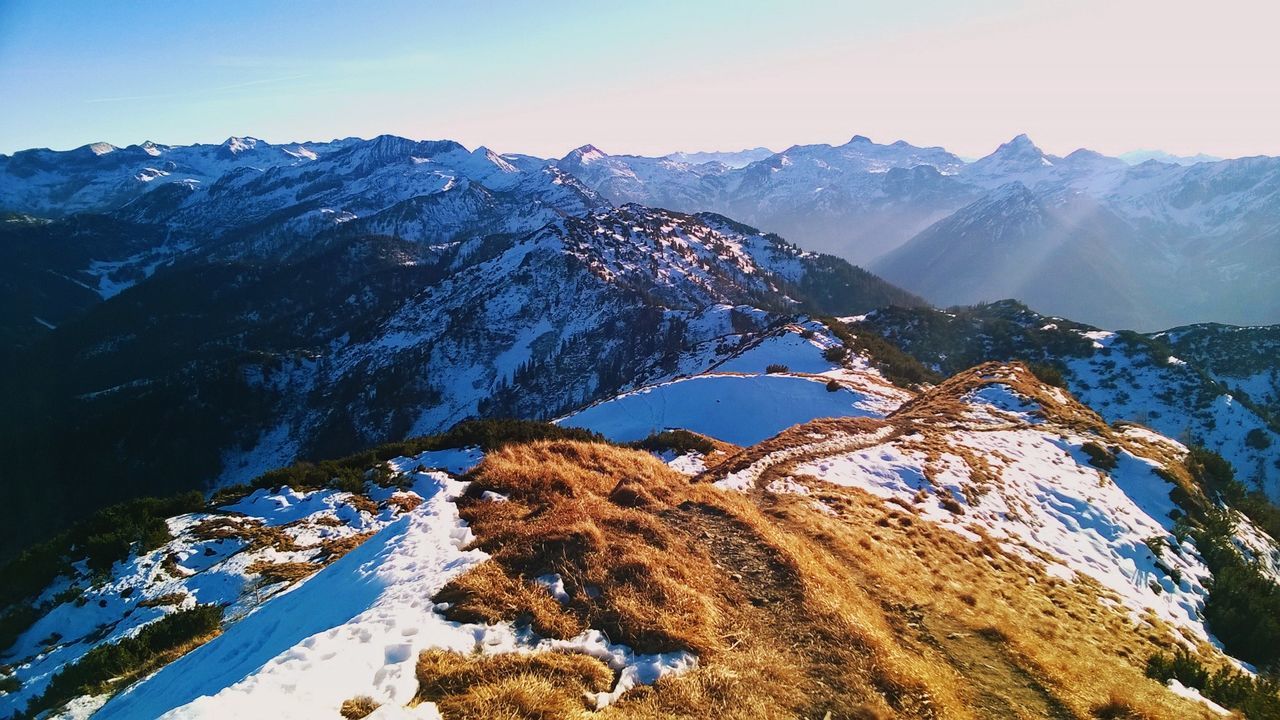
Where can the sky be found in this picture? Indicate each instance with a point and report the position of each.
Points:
(545, 76)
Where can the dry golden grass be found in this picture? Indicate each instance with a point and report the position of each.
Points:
(173, 598)
(589, 512)
(362, 504)
(334, 548)
(358, 707)
(511, 685)
(404, 502)
(256, 533)
(282, 572)
(869, 612)
(793, 612)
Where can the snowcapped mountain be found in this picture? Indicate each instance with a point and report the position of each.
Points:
(353, 338)
(774, 484)
(1175, 243)
(855, 200)
(1137, 157)
(736, 159)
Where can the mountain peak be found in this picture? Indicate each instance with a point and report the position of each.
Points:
(101, 148)
(236, 145)
(1018, 155)
(586, 154)
(1020, 144)
(859, 139)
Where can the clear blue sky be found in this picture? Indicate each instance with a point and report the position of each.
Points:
(653, 77)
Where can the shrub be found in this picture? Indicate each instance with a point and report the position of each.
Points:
(833, 385)
(835, 353)
(1048, 374)
(1156, 544)
(1099, 456)
(680, 441)
(897, 366)
(1243, 606)
(342, 473)
(106, 666)
(101, 539)
(1258, 698)
(777, 368)
(15, 622)
(1257, 439)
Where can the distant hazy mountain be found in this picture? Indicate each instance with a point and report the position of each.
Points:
(1137, 157)
(738, 159)
(856, 200)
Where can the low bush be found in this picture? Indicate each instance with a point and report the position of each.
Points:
(109, 666)
(1243, 606)
(777, 368)
(679, 441)
(348, 473)
(1258, 439)
(897, 366)
(1048, 374)
(1099, 456)
(1258, 698)
(102, 539)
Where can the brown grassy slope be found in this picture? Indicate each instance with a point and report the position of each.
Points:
(793, 612)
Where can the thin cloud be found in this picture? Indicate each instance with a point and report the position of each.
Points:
(190, 93)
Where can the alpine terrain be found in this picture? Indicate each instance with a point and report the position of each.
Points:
(396, 429)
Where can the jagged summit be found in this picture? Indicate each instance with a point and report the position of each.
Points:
(1019, 155)
(585, 154)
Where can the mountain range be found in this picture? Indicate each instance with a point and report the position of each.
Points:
(396, 429)
(1161, 243)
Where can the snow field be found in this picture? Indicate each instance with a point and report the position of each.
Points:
(357, 627)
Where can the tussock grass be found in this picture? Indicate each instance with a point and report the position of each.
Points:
(281, 572)
(358, 707)
(334, 548)
(404, 502)
(510, 685)
(254, 532)
(560, 518)
(795, 612)
(173, 598)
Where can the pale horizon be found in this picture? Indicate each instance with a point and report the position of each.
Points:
(697, 77)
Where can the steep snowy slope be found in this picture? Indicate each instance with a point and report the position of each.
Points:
(1124, 376)
(991, 522)
(796, 373)
(1242, 358)
(368, 339)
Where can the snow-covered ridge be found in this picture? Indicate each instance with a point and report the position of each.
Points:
(993, 453)
(354, 628)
